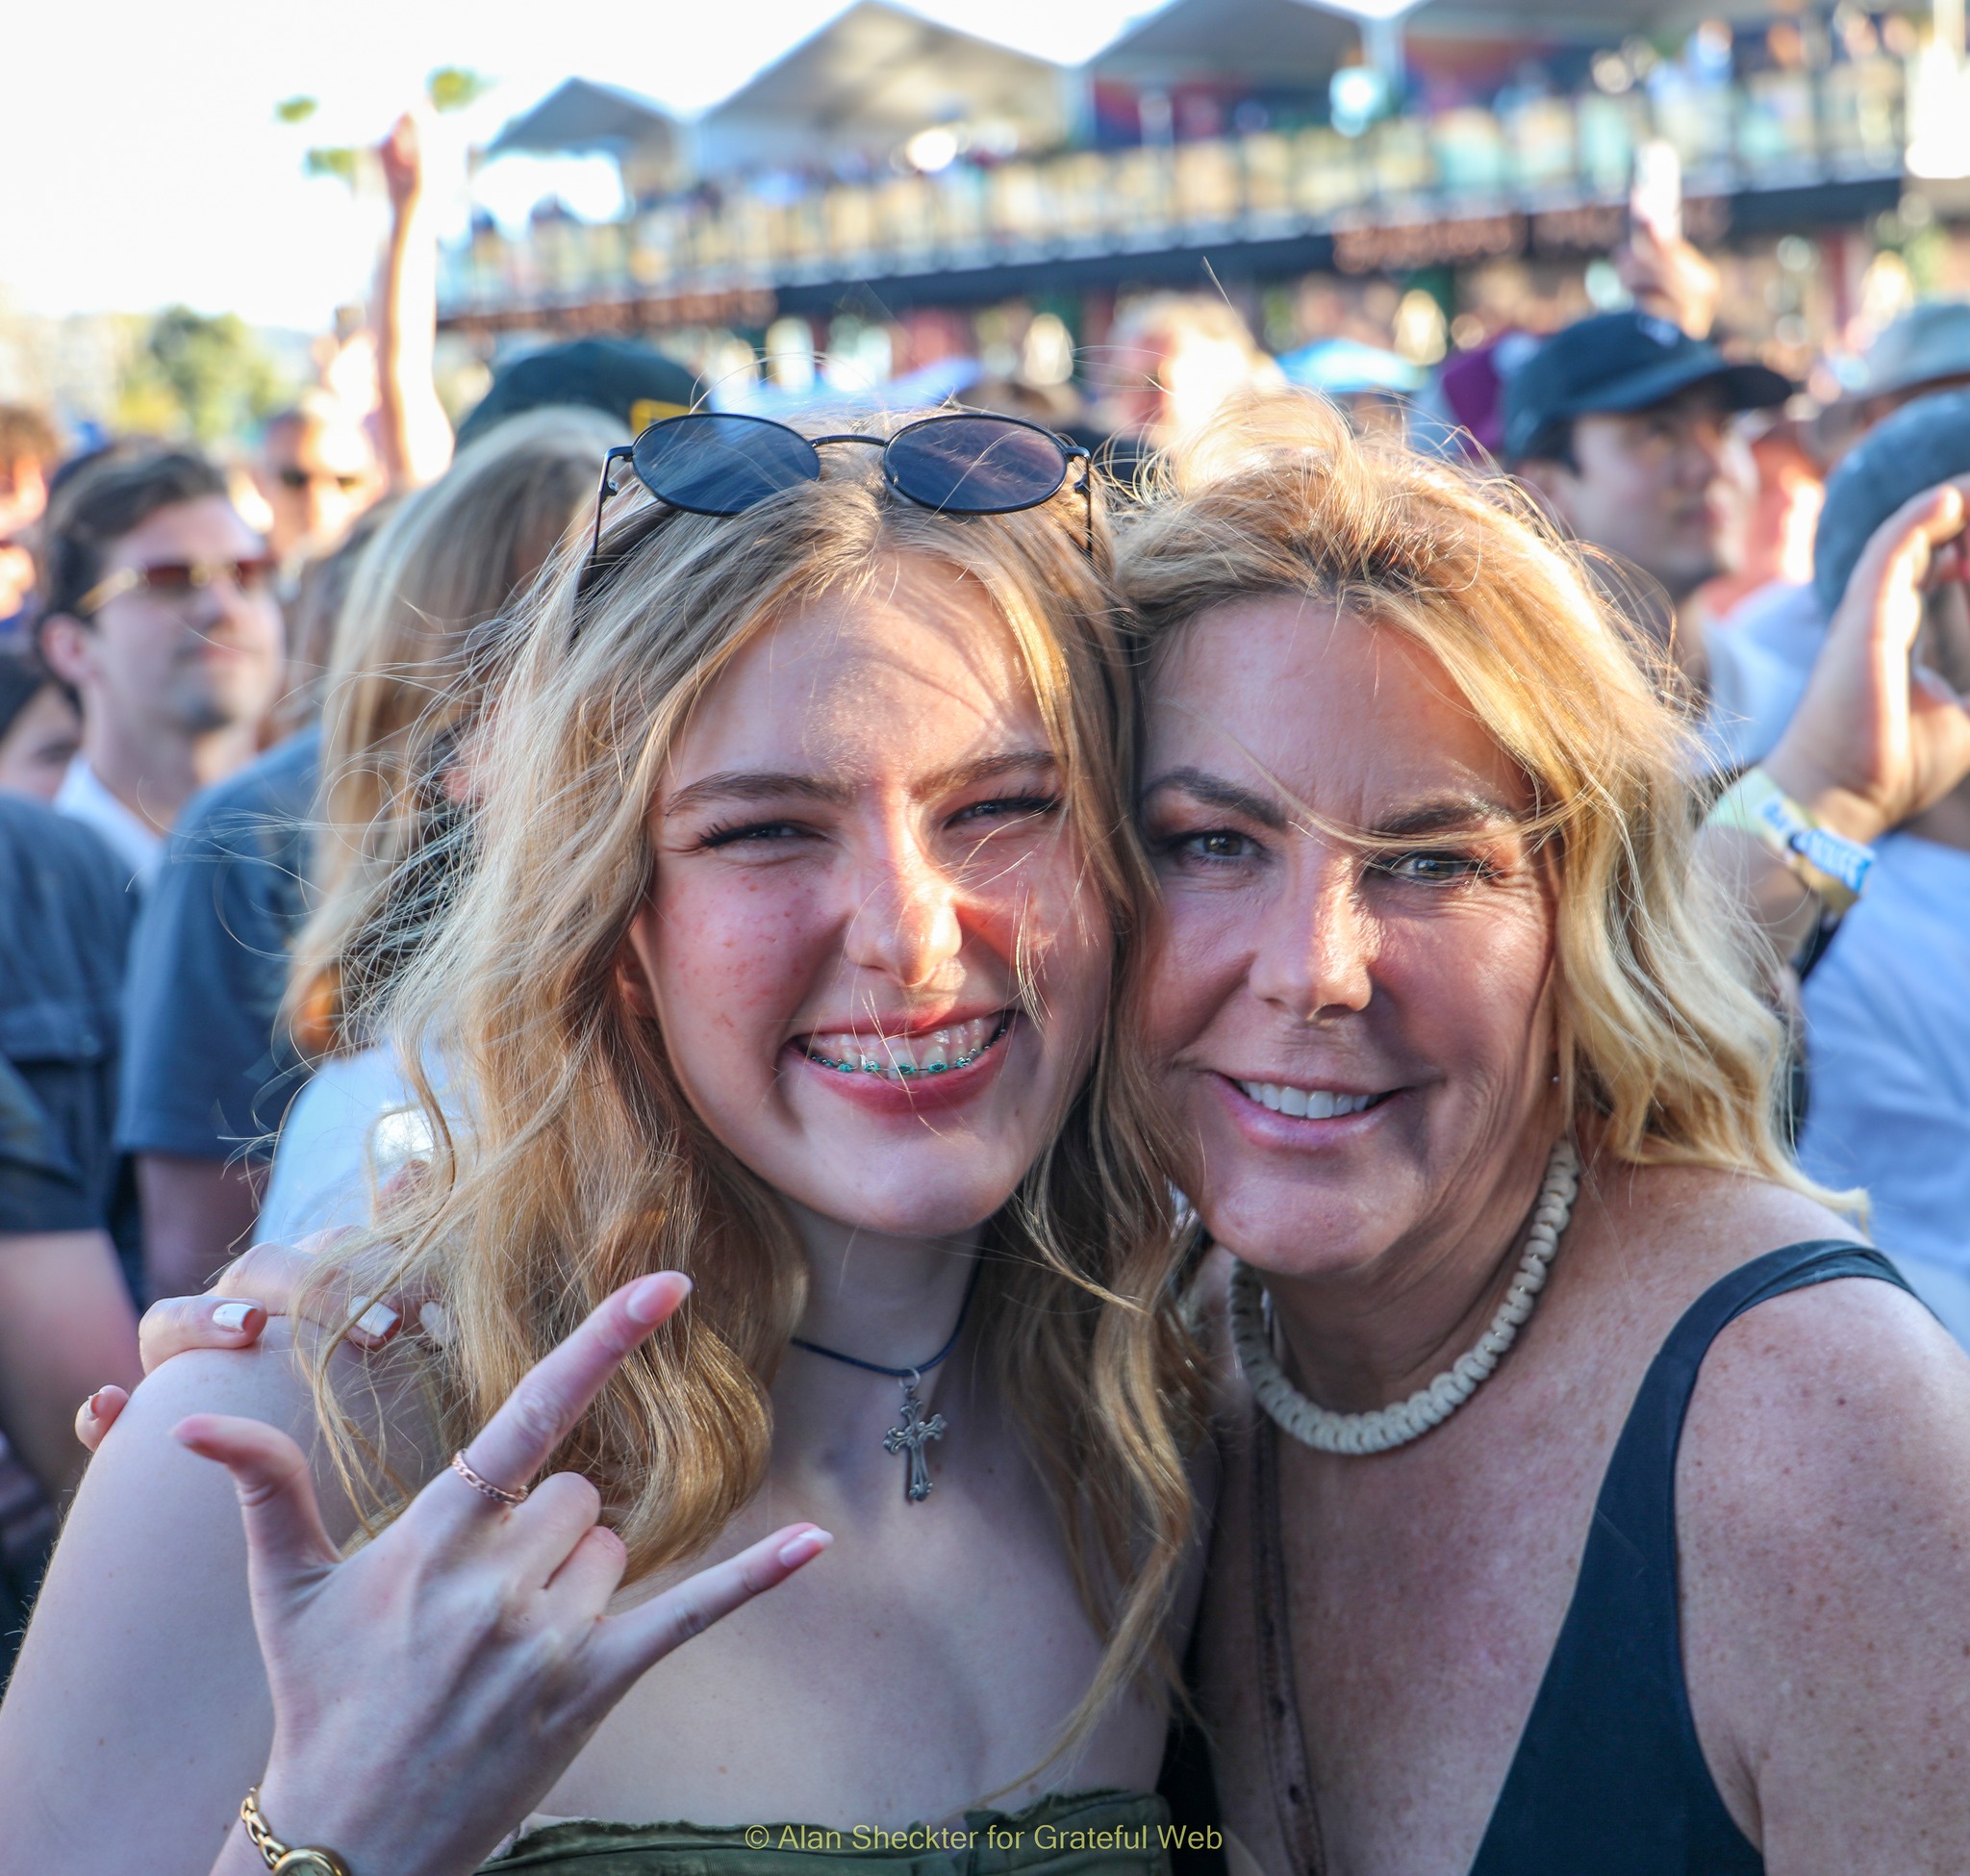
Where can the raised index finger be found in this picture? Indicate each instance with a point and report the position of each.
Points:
(535, 1417)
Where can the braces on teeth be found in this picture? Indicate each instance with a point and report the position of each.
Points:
(908, 1071)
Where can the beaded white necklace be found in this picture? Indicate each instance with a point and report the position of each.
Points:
(1390, 1427)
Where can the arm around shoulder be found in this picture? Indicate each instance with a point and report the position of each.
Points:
(138, 1714)
(1824, 1523)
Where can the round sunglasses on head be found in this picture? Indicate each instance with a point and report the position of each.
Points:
(957, 463)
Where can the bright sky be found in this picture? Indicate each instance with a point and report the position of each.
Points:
(145, 165)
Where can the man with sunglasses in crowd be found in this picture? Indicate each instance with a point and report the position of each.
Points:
(318, 471)
(158, 610)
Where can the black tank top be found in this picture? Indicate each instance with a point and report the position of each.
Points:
(1608, 1775)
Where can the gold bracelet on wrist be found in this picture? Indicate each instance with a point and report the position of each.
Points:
(1823, 862)
(280, 1857)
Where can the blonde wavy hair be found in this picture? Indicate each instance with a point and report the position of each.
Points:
(577, 1163)
(404, 679)
(1666, 1052)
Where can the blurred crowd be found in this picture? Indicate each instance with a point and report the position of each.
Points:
(236, 700)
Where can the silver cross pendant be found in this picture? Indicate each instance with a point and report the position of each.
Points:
(908, 1436)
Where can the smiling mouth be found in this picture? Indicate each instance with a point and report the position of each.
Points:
(906, 1059)
(1307, 1103)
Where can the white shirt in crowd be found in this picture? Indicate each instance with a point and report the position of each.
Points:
(1760, 656)
(1887, 1007)
(84, 796)
(1887, 1014)
(350, 1128)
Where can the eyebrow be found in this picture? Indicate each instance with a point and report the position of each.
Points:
(1452, 813)
(769, 785)
(1215, 792)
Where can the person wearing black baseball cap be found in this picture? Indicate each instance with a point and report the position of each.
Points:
(634, 384)
(1621, 424)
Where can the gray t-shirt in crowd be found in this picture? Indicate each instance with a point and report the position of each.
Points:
(65, 913)
(208, 1070)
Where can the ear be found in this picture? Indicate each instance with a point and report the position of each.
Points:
(67, 649)
(635, 964)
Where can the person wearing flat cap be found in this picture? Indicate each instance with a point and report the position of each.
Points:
(1621, 424)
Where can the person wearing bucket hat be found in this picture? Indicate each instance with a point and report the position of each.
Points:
(1925, 350)
(1620, 423)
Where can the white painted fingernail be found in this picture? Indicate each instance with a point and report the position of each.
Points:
(809, 1543)
(231, 1316)
(434, 1322)
(376, 1319)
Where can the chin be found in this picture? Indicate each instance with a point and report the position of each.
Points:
(1309, 1216)
(926, 1208)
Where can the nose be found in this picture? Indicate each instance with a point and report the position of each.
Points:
(905, 919)
(1314, 949)
(227, 602)
(1704, 455)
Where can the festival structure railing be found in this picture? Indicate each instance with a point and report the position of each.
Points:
(721, 250)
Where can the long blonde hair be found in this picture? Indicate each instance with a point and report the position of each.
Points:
(578, 1163)
(1666, 1054)
(404, 678)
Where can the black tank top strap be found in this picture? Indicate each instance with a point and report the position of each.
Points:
(1608, 1775)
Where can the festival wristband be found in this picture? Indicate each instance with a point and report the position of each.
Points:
(286, 1859)
(1829, 865)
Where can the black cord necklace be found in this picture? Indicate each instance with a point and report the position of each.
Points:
(911, 1430)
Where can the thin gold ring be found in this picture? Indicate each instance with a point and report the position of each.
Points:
(461, 1465)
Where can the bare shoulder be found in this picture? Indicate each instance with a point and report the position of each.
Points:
(1824, 1526)
(1702, 1217)
(1842, 1397)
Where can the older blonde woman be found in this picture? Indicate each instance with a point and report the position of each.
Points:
(1589, 1516)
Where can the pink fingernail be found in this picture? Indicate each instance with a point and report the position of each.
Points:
(93, 1406)
(646, 1303)
(231, 1316)
(809, 1543)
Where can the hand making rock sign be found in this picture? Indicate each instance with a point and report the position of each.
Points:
(482, 1611)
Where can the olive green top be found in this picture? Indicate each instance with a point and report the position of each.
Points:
(1072, 1833)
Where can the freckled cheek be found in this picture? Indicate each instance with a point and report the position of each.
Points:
(735, 959)
(1034, 909)
(1469, 993)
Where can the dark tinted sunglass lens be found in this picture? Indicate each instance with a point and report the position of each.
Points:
(975, 465)
(170, 577)
(723, 464)
(253, 575)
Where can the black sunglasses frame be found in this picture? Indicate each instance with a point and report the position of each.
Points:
(1071, 453)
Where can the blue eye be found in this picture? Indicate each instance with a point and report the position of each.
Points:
(1432, 869)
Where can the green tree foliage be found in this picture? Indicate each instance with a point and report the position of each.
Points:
(199, 376)
(452, 87)
(331, 162)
